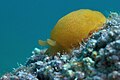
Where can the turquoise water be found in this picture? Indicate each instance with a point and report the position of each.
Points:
(23, 22)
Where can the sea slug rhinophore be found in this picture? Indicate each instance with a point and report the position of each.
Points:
(71, 29)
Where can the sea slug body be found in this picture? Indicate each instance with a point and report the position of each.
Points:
(71, 29)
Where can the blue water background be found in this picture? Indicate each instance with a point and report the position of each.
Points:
(23, 22)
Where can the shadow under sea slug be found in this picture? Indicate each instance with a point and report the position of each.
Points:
(71, 29)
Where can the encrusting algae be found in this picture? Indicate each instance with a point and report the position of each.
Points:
(71, 29)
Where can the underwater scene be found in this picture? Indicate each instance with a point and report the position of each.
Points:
(59, 40)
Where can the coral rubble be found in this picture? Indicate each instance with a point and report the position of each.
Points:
(97, 59)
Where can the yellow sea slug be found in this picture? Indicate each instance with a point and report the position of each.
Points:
(71, 29)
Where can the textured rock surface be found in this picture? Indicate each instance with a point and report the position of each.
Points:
(96, 59)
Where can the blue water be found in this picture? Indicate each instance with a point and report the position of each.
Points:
(23, 22)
